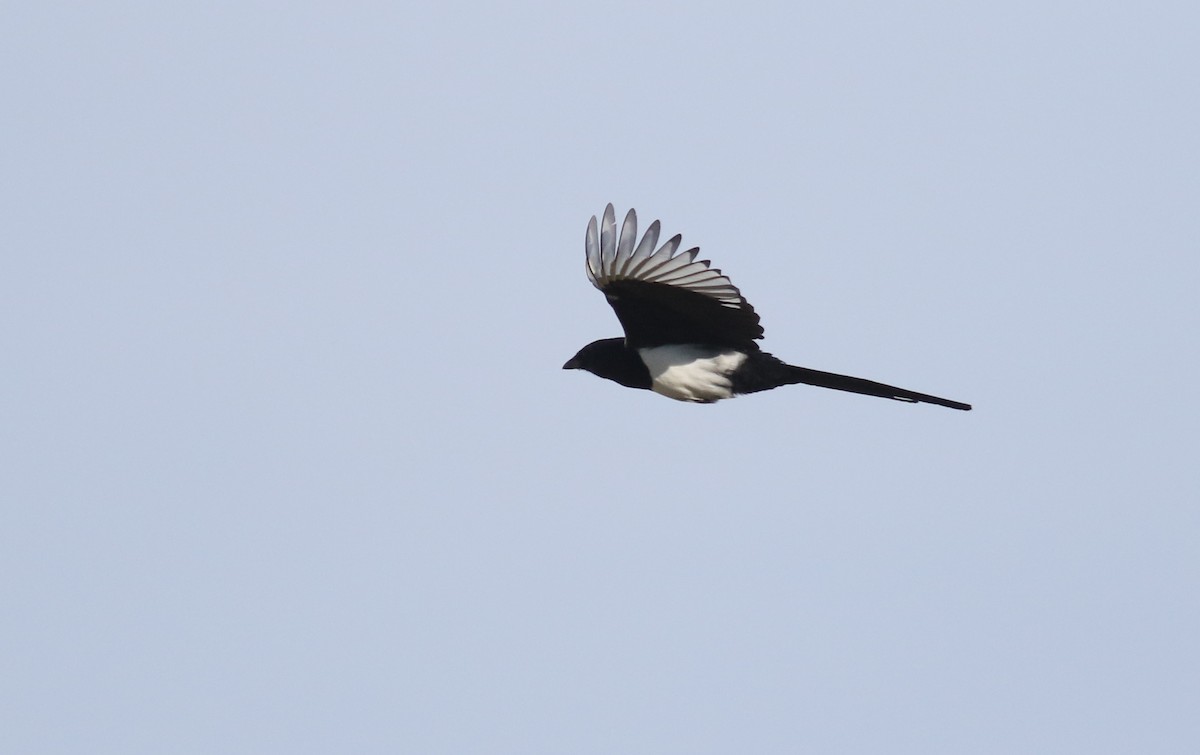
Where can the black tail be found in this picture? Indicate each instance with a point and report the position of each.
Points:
(866, 387)
(763, 371)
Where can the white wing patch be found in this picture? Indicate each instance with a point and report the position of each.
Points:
(613, 258)
(687, 372)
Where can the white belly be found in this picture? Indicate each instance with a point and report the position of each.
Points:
(691, 373)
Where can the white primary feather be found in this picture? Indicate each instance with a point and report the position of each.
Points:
(608, 239)
(613, 258)
(688, 372)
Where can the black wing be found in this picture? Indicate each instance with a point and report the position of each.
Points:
(662, 297)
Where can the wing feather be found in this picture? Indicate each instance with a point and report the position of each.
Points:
(625, 245)
(645, 250)
(592, 244)
(608, 239)
(665, 296)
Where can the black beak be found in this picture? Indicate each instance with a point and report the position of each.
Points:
(572, 364)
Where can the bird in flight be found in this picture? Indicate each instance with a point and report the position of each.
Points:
(689, 333)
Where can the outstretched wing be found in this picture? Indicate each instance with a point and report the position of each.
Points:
(665, 296)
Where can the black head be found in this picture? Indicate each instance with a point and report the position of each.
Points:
(610, 359)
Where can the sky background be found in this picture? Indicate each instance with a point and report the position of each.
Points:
(288, 463)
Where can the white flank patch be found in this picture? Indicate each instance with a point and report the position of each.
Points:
(611, 258)
(687, 372)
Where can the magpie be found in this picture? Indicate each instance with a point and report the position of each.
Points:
(689, 333)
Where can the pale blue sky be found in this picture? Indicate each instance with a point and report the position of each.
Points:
(289, 464)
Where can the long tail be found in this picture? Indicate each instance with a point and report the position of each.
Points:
(866, 387)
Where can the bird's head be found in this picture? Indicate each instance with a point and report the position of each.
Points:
(609, 358)
(595, 354)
